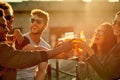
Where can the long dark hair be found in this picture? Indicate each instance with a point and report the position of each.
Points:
(109, 41)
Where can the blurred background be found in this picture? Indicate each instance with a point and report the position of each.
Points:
(66, 16)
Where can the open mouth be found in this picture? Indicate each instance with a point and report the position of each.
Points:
(96, 39)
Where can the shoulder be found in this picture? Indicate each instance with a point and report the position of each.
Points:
(44, 43)
(26, 34)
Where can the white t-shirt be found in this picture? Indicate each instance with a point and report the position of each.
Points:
(31, 72)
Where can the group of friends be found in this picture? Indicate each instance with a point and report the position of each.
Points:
(18, 62)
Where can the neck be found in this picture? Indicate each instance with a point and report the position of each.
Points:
(35, 38)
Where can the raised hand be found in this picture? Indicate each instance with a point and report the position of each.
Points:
(85, 47)
(67, 46)
(18, 36)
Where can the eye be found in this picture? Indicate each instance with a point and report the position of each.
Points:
(8, 17)
(99, 32)
(32, 20)
(39, 21)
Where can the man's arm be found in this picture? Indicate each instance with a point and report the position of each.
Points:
(22, 59)
(42, 67)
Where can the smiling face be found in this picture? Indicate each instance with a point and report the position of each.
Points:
(37, 25)
(99, 35)
(104, 38)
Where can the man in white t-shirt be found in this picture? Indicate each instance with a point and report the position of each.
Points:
(39, 21)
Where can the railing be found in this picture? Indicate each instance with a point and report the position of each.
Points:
(57, 71)
(83, 72)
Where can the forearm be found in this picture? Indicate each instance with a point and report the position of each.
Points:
(28, 59)
(40, 75)
(99, 67)
(52, 53)
(42, 67)
(21, 59)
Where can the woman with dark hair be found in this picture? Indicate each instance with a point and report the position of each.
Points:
(103, 39)
(109, 69)
(102, 42)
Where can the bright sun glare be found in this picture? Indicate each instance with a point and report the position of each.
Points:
(28, 0)
(57, 0)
